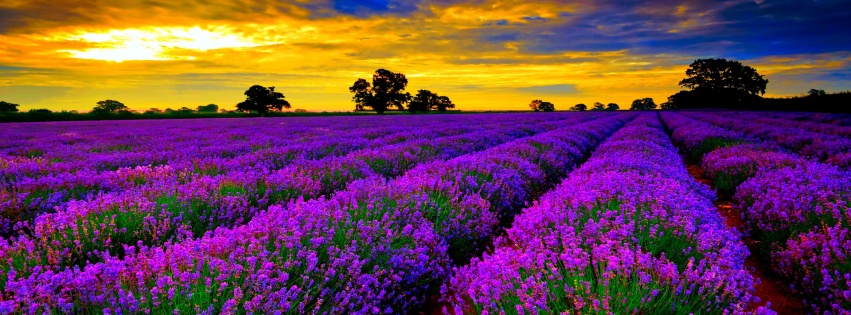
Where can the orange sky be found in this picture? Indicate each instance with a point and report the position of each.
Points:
(485, 55)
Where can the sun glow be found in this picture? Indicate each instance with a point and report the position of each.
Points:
(170, 43)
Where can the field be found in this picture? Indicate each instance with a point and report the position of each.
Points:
(628, 212)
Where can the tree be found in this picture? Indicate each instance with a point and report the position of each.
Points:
(816, 93)
(643, 104)
(535, 105)
(541, 106)
(668, 105)
(262, 100)
(153, 111)
(444, 103)
(612, 106)
(300, 110)
(209, 108)
(385, 92)
(185, 110)
(40, 111)
(6, 107)
(598, 106)
(579, 107)
(109, 106)
(718, 74)
(423, 101)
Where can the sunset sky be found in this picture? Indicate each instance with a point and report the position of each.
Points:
(484, 54)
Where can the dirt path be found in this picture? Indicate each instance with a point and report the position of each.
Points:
(772, 288)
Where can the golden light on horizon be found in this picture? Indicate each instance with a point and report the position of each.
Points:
(155, 43)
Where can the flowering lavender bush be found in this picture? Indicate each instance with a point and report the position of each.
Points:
(625, 233)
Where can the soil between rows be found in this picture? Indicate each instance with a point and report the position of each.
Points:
(772, 288)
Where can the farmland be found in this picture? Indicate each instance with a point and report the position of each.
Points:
(519, 213)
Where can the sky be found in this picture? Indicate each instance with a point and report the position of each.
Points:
(483, 54)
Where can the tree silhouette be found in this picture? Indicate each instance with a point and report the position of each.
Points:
(6, 107)
(816, 93)
(109, 106)
(423, 101)
(262, 100)
(612, 106)
(385, 92)
(598, 106)
(643, 104)
(209, 108)
(668, 105)
(579, 107)
(444, 103)
(718, 74)
(542, 106)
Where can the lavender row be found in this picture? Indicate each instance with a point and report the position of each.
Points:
(798, 209)
(628, 232)
(23, 194)
(86, 231)
(834, 150)
(376, 247)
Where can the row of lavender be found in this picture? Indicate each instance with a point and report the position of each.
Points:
(26, 193)
(828, 147)
(798, 209)
(86, 231)
(376, 247)
(629, 232)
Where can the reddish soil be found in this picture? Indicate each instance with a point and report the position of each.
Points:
(772, 288)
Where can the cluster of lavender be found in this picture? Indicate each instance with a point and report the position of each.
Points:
(629, 232)
(827, 147)
(87, 230)
(68, 165)
(797, 208)
(377, 246)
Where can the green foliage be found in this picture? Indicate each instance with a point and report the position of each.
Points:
(209, 108)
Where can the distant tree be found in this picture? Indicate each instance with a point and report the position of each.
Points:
(153, 111)
(579, 107)
(169, 110)
(535, 105)
(444, 103)
(262, 100)
(643, 104)
(385, 92)
(185, 110)
(668, 105)
(612, 106)
(109, 106)
(718, 74)
(300, 110)
(598, 106)
(816, 93)
(547, 107)
(40, 111)
(423, 101)
(209, 108)
(6, 107)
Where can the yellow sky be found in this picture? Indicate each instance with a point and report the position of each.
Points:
(190, 54)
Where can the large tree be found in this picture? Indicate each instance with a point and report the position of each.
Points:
(598, 106)
(424, 101)
(444, 103)
(209, 108)
(110, 106)
(6, 107)
(262, 100)
(387, 91)
(719, 74)
(643, 104)
(542, 106)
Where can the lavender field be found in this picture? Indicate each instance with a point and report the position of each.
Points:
(524, 213)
